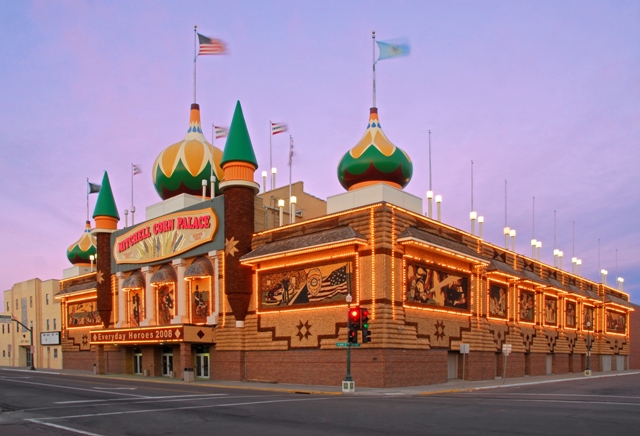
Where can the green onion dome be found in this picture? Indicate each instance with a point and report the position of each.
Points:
(79, 251)
(181, 167)
(374, 160)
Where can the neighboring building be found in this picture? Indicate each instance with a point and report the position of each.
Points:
(307, 205)
(634, 357)
(205, 285)
(32, 303)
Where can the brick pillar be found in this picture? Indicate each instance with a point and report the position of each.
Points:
(186, 358)
(103, 276)
(181, 293)
(238, 221)
(100, 360)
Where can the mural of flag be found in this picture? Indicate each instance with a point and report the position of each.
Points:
(278, 128)
(335, 283)
(136, 169)
(210, 46)
(221, 132)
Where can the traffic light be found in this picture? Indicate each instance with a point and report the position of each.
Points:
(353, 324)
(364, 325)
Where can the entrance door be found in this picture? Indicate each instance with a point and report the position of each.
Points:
(202, 365)
(137, 362)
(30, 356)
(167, 364)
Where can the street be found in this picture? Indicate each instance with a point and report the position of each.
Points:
(61, 404)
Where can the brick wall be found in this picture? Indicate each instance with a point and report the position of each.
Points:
(560, 364)
(536, 364)
(575, 363)
(369, 368)
(79, 360)
(480, 365)
(515, 365)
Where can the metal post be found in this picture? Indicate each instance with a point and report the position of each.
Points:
(464, 360)
(504, 376)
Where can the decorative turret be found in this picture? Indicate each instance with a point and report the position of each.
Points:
(78, 253)
(181, 167)
(374, 160)
(239, 164)
(106, 212)
(106, 216)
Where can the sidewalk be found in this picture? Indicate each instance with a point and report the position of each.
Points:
(451, 386)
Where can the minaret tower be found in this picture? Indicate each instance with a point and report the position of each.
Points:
(106, 217)
(239, 165)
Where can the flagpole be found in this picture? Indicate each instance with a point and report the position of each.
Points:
(373, 47)
(88, 198)
(290, 163)
(195, 57)
(213, 136)
(271, 152)
(133, 208)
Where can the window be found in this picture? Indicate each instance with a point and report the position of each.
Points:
(3, 329)
(16, 304)
(54, 324)
(46, 297)
(55, 353)
(30, 301)
(47, 325)
(7, 306)
(9, 328)
(3, 355)
(8, 353)
(48, 350)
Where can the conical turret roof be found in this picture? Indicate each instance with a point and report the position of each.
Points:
(181, 167)
(106, 204)
(238, 147)
(374, 160)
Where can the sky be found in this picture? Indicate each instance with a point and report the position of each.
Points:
(543, 94)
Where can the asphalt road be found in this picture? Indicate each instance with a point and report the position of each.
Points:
(49, 404)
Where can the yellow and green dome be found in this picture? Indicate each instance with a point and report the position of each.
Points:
(181, 167)
(79, 251)
(374, 160)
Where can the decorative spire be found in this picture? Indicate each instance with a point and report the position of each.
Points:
(181, 167)
(106, 211)
(374, 160)
(79, 251)
(238, 147)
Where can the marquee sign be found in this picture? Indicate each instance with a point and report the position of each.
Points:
(138, 335)
(166, 236)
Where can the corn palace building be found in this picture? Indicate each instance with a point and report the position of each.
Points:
(202, 288)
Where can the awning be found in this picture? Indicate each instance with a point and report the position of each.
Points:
(134, 281)
(200, 267)
(77, 288)
(304, 242)
(164, 275)
(617, 300)
(438, 242)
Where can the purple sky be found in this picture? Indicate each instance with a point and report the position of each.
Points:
(543, 94)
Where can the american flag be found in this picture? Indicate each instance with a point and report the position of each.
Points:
(221, 132)
(278, 128)
(210, 46)
(136, 169)
(335, 283)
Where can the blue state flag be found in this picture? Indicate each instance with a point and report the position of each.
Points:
(393, 49)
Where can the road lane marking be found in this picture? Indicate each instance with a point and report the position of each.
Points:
(62, 427)
(208, 406)
(30, 371)
(567, 395)
(523, 400)
(134, 399)
(115, 389)
(542, 382)
(72, 388)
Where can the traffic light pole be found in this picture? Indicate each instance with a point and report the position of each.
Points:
(348, 385)
(348, 376)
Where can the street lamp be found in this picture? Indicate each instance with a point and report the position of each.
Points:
(473, 216)
(480, 222)
(92, 257)
(539, 246)
(512, 233)
(506, 231)
(429, 199)
(438, 203)
(533, 248)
